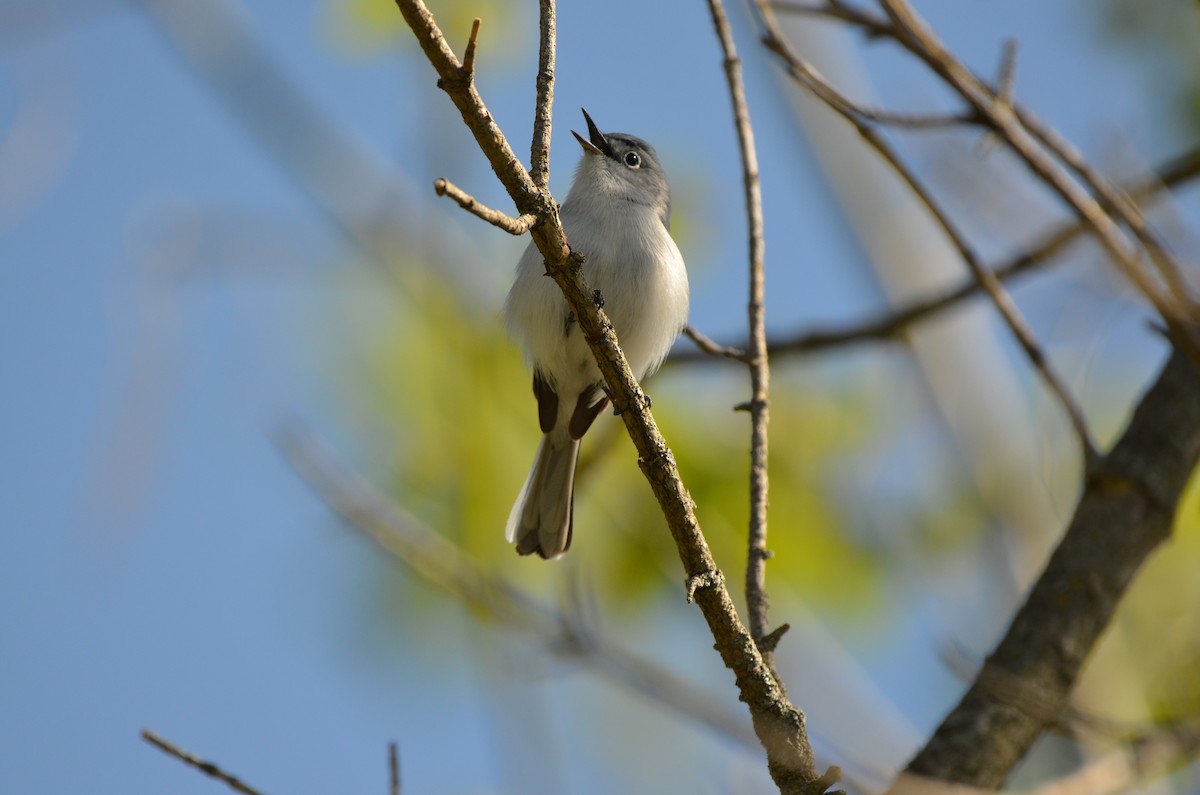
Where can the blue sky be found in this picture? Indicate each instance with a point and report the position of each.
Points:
(160, 275)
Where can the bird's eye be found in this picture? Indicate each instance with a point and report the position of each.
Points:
(632, 160)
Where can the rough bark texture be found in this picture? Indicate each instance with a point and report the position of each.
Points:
(1126, 511)
(780, 726)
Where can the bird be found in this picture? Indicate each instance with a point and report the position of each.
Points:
(618, 215)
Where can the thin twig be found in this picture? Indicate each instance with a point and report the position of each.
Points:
(394, 787)
(539, 156)
(905, 28)
(986, 279)
(514, 226)
(804, 73)
(757, 602)
(872, 25)
(1007, 81)
(1114, 200)
(1000, 297)
(207, 768)
(892, 324)
(778, 724)
(912, 31)
(712, 347)
(459, 85)
(468, 62)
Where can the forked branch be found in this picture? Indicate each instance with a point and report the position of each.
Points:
(779, 725)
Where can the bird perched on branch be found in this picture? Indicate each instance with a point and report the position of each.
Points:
(617, 214)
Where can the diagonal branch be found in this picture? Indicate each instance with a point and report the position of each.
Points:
(1126, 511)
(1177, 311)
(1114, 199)
(778, 724)
(891, 325)
(514, 226)
(207, 768)
(444, 565)
(984, 277)
(1000, 297)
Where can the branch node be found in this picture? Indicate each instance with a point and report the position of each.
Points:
(514, 226)
(768, 642)
(468, 62)
(706, 579)
(831, 776)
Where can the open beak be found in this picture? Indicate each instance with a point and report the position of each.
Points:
(598, 144)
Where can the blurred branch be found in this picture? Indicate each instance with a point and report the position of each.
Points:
(891, 325)
(1113, 200)
(207, 768)
(779, 725)
(987, 280)
(358, 191)
(708, 346)
(394, 787)
(443, 564)
(1135, 763)
(1130, 496)
(873, 25)
(757, 602)
(1176, 310)
(1126, 511)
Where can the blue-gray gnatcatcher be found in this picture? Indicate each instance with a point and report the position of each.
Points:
(618, 215)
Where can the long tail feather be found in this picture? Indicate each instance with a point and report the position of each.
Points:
(542, 517)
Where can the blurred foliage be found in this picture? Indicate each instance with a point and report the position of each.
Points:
(1160, 619)
(445, 384)
(371, 27)
(1163, 40)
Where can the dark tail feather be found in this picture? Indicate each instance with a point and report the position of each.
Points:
(542, 517)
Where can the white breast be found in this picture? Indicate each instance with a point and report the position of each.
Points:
(641, 277)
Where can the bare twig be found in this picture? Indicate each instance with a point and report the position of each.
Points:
(1006, 117)
(514, 226)
(872, 25)
(207, 768)
(1001, 299)
(712, 347)
(1176, 310)
(805, 74)
(468, 61)
(986, 279)
(892, 324)
(778, 724)
(1007, 81)
(757, 602)
(394, 786)
(1113, 198)
(539, 156)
